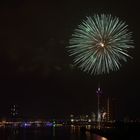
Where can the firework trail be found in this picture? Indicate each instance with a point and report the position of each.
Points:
(100, 43)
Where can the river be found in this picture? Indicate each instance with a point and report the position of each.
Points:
(48, 133)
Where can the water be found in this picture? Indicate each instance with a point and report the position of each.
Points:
(49, 133)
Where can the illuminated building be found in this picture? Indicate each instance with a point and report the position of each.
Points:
(108, 110)
(93, 117)
(14, 111)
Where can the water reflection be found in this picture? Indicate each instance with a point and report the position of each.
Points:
(96, 137)
(53, 131)
(90, 136)
(76, 134)
(56, 133)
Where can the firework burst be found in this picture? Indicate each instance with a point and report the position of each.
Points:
(100, 43)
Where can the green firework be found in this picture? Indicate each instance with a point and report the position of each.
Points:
(100, 43)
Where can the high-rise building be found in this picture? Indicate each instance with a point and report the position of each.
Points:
(108, 109)
(14, 111)
(93, 117)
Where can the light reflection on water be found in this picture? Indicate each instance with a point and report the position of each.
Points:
(99, 137)
(75, 130)
(55, 133)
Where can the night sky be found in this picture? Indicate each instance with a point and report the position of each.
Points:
(36, 72)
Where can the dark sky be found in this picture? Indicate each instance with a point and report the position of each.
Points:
(36, 72)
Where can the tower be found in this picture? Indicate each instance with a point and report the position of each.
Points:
(99, 92)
